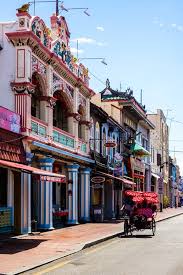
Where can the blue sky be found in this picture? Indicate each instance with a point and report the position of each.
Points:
(142, 42)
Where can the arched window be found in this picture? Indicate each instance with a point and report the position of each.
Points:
(92, 135)
(114, 149)
(103, 142)
(60, 112)
(97, 137)
(81, 127)
(118, 145)
(35, 99)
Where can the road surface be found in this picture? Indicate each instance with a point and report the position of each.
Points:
(139, 255)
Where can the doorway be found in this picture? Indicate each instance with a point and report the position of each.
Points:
(17, 202)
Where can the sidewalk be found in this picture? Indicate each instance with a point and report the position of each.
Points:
(26, 252)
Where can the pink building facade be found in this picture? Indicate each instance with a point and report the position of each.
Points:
(49, 89)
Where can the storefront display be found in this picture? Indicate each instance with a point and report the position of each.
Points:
(5, 219)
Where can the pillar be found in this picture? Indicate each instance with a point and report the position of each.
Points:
(10, 193)
(45, 215)
(113, 200)
(85, 194)
(73, 193)
(25, 203)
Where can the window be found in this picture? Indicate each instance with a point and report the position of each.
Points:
(35, 99)
(97, 137)
(81, 128)
(92, 135)
(35, 106)
(60, 119)
(103, 142)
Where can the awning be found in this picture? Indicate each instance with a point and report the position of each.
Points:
(40, 174)
(123, 180)
(155, 176)
(139, 150)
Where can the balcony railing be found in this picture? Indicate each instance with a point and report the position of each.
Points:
(63, 138)
(82, 146)
(38, 127)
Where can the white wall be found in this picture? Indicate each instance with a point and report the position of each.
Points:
(7, 62)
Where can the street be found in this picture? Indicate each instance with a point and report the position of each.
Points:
(137, 255)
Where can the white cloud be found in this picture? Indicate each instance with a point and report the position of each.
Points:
(161, 25)
(101, 44)
(155, 21)
(173, 25)
(74, 50)
(180, 28)
(84, 40)
(100, 28)
(91, 41)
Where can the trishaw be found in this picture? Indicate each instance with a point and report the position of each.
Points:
(137, 220)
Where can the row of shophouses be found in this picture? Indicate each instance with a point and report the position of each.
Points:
(67, 153)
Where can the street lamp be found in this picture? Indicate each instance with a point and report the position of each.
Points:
(99, 58)
(57, 2)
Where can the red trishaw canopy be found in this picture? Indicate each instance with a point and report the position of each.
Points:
(150, 197)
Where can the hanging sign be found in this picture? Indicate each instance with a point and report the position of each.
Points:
(98, 179)
(160, 185)
(110, 144)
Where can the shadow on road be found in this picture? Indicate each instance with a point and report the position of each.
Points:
(13, 246)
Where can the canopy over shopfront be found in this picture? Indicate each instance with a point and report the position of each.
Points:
(122, 180)
(40, 174)
(139, 150)
(155, 176)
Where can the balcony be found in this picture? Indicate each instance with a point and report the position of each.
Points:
(38, 128)
(82, 146)
(59, 137)
(63, 138)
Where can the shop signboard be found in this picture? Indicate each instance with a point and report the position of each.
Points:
(98, 179)
(160, 185)
(9, 120)
(118, 165)
(97, 186)
(110, 144)
(137, 165)
(97, 211)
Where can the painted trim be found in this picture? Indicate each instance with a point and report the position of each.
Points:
(62, 152)
(19, 63)
(85, 170)
(73, 166)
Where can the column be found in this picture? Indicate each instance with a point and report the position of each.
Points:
(113, 201)
(25, 203)
(10, 193)
(73, 193)
(85, 194)
(45, 215)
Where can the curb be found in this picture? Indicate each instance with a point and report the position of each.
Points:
(167, 218)
(92, 243)
(87, 245)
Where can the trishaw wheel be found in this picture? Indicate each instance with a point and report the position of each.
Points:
(126, 227)
(153, 226)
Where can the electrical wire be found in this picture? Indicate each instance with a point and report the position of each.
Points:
(101, 81)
